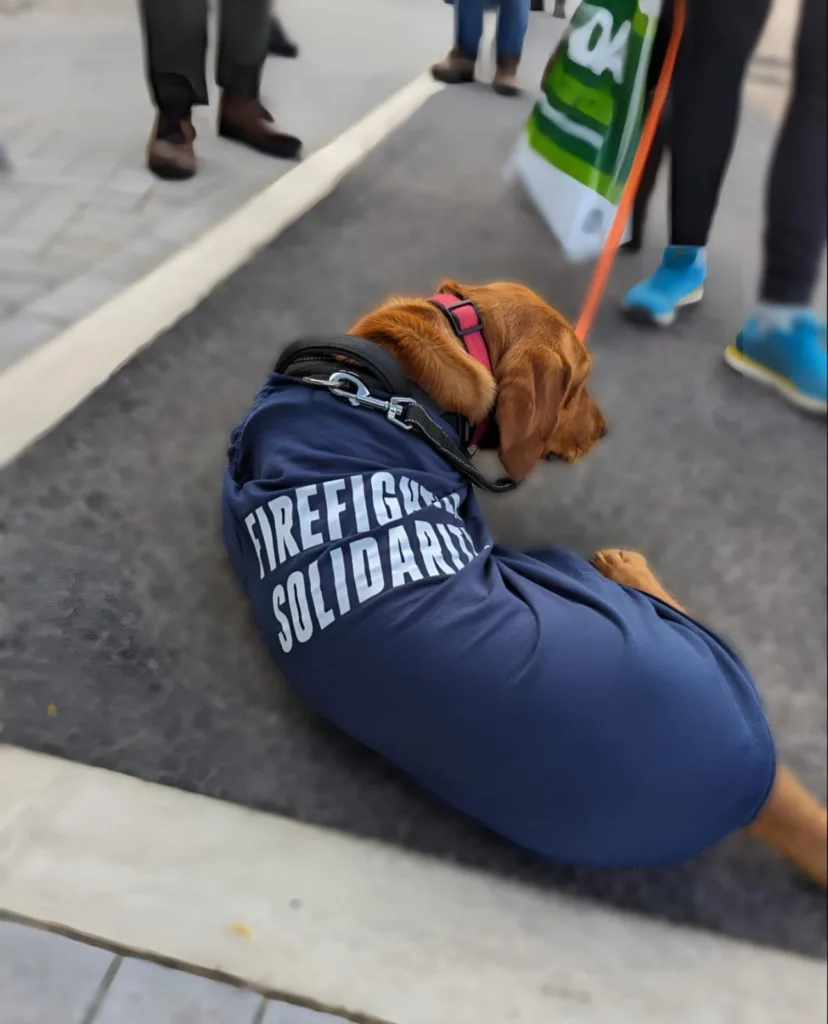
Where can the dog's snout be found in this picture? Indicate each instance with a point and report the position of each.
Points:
(604, 431)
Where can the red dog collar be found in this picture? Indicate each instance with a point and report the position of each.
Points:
(465, 321)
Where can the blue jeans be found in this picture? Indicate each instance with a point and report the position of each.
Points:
(512, 21)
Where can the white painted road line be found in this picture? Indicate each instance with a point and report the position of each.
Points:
(356, 926)
(42, 388)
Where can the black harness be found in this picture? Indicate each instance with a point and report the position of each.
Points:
(371, 378)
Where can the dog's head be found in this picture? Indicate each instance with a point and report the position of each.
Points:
(539, 368)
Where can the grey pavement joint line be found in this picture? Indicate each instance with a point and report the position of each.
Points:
(258, 1017)
(123, 953)
(291, 1013)
(150, 993)
(100, 995)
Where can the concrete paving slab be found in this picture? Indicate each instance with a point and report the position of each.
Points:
(49, 978)
(23, 332)
(45, 978)
(148, 993)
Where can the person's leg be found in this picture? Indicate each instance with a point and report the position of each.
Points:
(279, 43)
(659, 145)
(243, 37)
(512, 22)
(458, 66)
(797, 210)
(242, 45)
(468, 20)
(175, 43)
(707, 85)
(783, 344)
(706, 98)
(647, 184)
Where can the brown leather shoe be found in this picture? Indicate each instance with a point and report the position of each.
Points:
(505, 80)
(456, 68)
(170, 150)
(249, 122)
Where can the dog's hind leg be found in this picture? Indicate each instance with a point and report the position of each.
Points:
(795, 824)
(791, 821)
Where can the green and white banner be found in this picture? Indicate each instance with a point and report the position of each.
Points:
(579, 142)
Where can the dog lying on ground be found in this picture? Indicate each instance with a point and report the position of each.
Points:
(571, 706)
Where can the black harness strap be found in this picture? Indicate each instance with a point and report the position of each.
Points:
(369, 368)
(415, 418)
(382, 366)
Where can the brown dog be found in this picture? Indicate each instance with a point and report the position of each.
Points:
(543, 408)
(540, 369)
(591, 723)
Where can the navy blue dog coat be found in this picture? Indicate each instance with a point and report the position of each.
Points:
(580, 719)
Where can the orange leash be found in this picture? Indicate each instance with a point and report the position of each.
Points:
(600, 275)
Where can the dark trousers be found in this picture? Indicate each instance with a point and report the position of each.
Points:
(719, 41)
(175, 45)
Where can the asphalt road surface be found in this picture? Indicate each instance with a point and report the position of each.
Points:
(119, 608)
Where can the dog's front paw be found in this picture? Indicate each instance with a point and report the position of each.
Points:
(630, 569)
(627, 567)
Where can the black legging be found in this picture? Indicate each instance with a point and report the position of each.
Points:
(720, 38)
(660, 139)
(797, 191)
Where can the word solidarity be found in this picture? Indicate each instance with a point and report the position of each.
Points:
(378, 532)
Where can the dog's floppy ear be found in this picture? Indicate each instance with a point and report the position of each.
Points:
(531, 385)
(540, 367)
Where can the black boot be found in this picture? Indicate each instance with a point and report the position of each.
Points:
(280, 44)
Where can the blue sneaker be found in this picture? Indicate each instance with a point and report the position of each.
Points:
(793, 360)
(678, 282)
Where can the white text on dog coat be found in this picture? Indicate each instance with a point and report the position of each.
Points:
(376, 532)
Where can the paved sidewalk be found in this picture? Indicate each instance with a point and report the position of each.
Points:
(320, 917)
(47, 978)
(80, 217)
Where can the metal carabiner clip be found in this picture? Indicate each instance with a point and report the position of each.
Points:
(361, 396)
